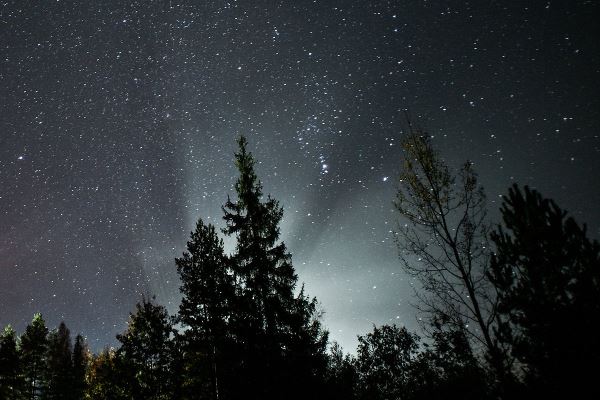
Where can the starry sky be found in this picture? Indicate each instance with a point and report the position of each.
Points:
(118, 123)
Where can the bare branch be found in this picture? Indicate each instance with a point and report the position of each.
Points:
(442, 240)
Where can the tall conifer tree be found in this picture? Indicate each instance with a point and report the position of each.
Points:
(207, 289)
(261, 265)
(10, 366)
(80, 363)
(60, 365)
(274, 326)
(34, 344)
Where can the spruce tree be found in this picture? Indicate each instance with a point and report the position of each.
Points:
(262, 266)
(207, 289)
(11, 383)
(306, 357)
(272, 324)
(34, 344)
(59, 365)
(80, 363)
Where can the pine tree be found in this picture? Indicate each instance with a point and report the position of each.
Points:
(547, 273)
(207, 289)
(59, 365)
(272, 324)
(146, 352)
(11, 384)
(80, 363)
(34, 344)
(306, 356)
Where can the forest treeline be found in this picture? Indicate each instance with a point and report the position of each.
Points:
(509, 310)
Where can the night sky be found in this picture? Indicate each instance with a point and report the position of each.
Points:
(118, 123)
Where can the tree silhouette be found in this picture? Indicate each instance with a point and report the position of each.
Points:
(393, 363)
(272, 325)
(11, 383)
(442, 239)
(305, 352)
(145, 351)
(263, 268)
(383, 360)
(34, 345)
(547, 273)
(80, 363)
(341, 375)
(59, 365)
(207, 296)
(447, 368)
(106, 379)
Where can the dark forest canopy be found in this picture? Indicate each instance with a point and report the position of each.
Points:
(510, 309)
